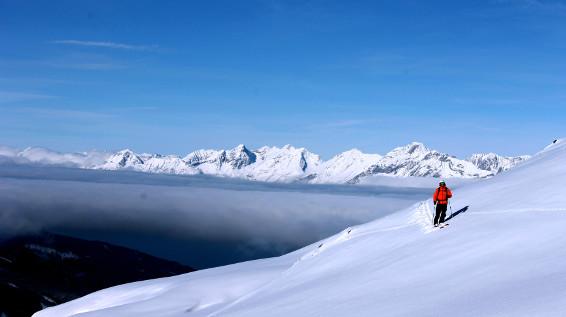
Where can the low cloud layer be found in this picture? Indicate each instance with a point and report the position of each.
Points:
(201, 221)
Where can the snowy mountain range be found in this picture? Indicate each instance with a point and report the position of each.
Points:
(496, 163)
(501, 255)
(285, 164)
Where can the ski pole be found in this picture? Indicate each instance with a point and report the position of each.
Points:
(434, 218)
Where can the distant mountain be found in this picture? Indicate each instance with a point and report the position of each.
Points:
(496, 163)
(344, 167)
(151, 163)
(221, 162)
(416, 159)
(285, 164)
(45, 270)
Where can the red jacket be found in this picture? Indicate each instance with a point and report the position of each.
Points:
(441, 195)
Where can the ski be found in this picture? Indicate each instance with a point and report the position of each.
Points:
(440, 226)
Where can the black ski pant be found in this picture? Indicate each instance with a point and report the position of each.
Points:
(440, 213)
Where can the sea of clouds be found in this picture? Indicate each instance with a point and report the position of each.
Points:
(201, 221)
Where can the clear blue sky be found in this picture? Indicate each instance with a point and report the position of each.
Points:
(170, 77)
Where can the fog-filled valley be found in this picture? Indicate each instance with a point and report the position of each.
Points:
(200, 221)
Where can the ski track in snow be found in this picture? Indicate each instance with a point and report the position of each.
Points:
(424, 217)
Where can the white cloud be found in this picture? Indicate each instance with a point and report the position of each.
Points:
(113, 45)
(10, 96)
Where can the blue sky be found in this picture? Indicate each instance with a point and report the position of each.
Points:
(171, 77)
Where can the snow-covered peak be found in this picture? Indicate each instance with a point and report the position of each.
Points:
(284, 164)
(496, 163)
(147, 162)
(221, 162)
(415, 159)
(202, 156)
(125, 152)
(345, 166)
(354, 154)
(414, 149)
(169, 164)
(122, 159)
(240, 156)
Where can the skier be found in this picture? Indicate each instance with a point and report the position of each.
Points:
(440, 198)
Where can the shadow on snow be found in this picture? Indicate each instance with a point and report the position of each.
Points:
(453, 215)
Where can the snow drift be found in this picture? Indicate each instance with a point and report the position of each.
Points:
(503, 256)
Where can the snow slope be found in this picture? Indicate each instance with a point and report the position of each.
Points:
(503, 256)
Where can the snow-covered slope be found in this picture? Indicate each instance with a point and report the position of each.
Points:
(285, 164)
(496, 163)
(503, 256)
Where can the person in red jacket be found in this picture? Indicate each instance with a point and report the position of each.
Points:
(440, 198)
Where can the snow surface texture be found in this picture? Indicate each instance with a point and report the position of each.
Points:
(503, 256)
(286, 164)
